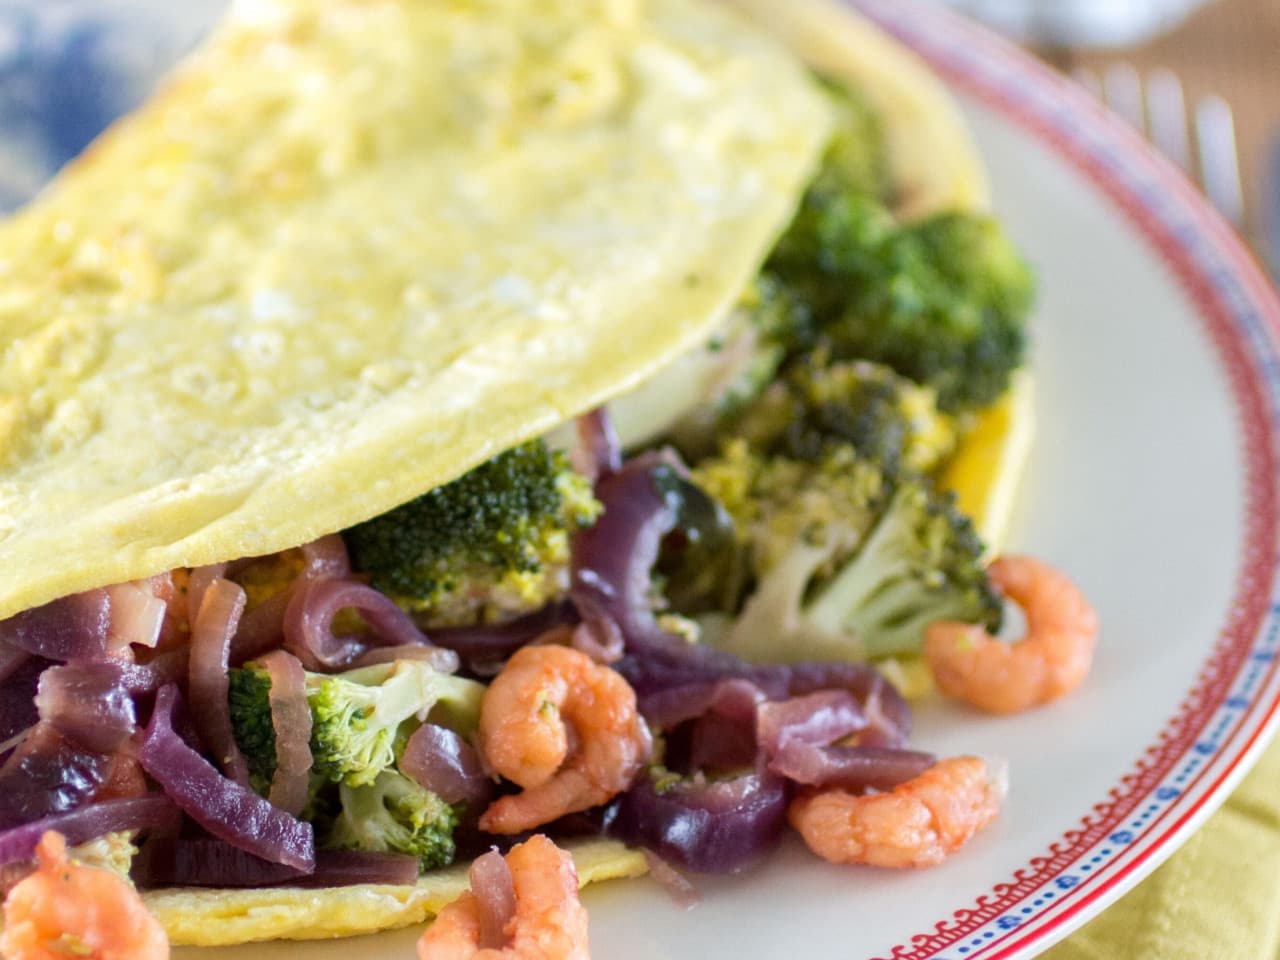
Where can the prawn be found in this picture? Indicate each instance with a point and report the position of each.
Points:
(1049, 661)
(67, 909)
(547, 920)
(563, 727)
(917, 824)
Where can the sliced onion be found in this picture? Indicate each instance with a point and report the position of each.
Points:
(722, 827)
(291, 720)
(614, 557)
(439, 659)
(198, 581)
(677, 885)
(17, 696)
(495, 893)
(205, 862)
(155, 811)
(598, 451)
(226, 809)
(72, 628)
(491, 643)
(308, 623)
(888, 716)
(90, 702)
(325, 558)
(598, 636)
(854, 768)
(207, 684)
(47, 774)
(442, 762)
(262, 628)
(11, 658)
(137, 616)
(816, 718)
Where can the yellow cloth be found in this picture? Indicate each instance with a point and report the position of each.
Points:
(1217, 898)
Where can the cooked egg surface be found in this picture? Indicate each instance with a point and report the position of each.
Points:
(355, 247)
(216, 918)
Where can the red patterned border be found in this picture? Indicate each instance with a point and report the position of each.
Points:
(1258, 564)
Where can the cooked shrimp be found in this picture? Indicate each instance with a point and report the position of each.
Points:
(563, 727)
(549, 921)
(66, 909)
(917, 824)
(1050, 661)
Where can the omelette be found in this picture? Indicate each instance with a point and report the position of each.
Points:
(353, 250)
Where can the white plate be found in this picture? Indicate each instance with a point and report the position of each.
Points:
(1153, 482)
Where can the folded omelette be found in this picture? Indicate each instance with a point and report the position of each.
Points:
(354, 248)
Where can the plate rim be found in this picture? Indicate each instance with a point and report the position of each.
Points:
(1218, 732)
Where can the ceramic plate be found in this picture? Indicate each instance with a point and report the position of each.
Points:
(1153, 482)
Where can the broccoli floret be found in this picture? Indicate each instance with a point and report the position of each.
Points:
(857, 158)
(394, 814)
(491, 545)
(943, 300)
(884, 416)
(248, 693)
(849, 560)
(357, 717)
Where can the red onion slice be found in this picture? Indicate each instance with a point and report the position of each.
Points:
(854, 768)
(308, 624)
(721, 827)
(291, 720)
(90, 702)
(442, 762)
(226, 809)
(816, 718)
(491, 643)
(17, 696)
(681, 890)
(205, 862)
(198, 581)
(47, 774)
(72, 628)
(154, 811)
(326, 557)
(597, 451)
(495, 893)
(211, 632)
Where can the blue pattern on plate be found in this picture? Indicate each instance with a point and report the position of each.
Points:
(67, 69)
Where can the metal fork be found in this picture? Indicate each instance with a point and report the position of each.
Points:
(1202, 141)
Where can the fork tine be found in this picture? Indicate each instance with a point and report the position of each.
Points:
(1123, 90)
(1167, 117)
(1219, 163)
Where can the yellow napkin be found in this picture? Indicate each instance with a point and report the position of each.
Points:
(1217, 898)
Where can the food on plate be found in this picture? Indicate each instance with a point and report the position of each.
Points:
(70, 909)
(1050, 661)
(523, 906)
(427, 424)
(916, 824)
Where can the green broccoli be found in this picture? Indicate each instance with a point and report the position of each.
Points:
(884, 416)
(849, 560)
(394, 814)
(857, 157)
(358, 717)
(491, 545)
(943, 300)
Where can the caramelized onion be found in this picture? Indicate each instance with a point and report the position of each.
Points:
(72, 628)
(98, 819)
(47, 774)
(226, 809)
(211, 632)
(291, 720)
(90, 702)
(495, 893)
(198, 581)
(308, 623)
(442, 762)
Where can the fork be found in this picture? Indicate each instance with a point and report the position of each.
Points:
(1202, 142)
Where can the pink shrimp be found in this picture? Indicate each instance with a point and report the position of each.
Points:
(549, 922)
(1051, 660)
(67, 909)
(563, 727)
(917, 824)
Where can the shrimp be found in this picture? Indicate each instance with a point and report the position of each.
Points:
(549, 922)
(67, 909)
(917, 824)
(563, 727)
(1050, 661)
